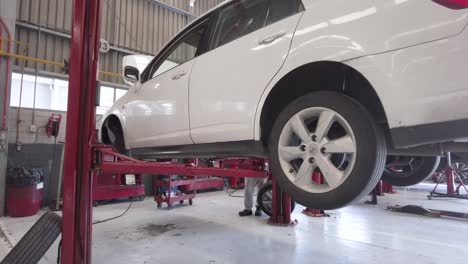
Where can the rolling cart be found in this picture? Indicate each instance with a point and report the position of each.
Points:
(164, 190)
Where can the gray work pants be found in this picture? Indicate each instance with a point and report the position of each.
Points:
(250, 184)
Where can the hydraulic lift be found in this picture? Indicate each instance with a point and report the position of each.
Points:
(84, 156)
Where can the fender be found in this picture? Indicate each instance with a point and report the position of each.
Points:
(343, 30)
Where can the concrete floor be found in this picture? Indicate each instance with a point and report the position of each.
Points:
(211, 232)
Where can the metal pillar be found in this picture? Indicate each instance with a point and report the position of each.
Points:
(77, 182)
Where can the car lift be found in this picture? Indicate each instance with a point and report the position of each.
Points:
(84, 156)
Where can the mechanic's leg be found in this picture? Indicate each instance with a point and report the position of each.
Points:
(248, 196)
(260, 182)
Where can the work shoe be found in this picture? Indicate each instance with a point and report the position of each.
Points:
(245, 213)
(258, 212)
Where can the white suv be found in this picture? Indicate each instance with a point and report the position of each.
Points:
(314, 85)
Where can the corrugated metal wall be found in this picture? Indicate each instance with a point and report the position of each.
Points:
(130, 26)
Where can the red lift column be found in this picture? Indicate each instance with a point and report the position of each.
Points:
(281, 206)
(77, 183)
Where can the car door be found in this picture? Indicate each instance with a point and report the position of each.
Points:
(157, 110)
(249, 42)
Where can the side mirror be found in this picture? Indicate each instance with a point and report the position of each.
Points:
(131, 75)
(133, 66)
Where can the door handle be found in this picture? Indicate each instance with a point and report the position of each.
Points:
(178, 76)
(271, 38)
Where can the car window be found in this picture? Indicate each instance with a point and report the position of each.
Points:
(239, 19)
(184, 50)
(280, 9)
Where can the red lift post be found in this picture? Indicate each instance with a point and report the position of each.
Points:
(77, 182)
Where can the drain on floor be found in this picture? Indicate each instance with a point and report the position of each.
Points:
(156, 230)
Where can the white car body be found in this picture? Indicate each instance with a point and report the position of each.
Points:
(414, 53)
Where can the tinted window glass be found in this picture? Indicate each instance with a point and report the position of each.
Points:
(283, 8)
(183, 51)
(239, 19)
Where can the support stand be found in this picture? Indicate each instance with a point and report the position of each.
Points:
(387, 188)
(318, 178)
(281, 207)
(450, 175)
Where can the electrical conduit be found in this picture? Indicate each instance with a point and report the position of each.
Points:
(7, 77)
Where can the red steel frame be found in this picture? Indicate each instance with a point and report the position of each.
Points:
(77, 183)
(108, 186)
(115, 187)
(84, 158)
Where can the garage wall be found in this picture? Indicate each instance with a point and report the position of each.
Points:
(129, 26)
(41, 119)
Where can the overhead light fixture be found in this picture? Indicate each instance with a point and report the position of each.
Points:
(192, 3)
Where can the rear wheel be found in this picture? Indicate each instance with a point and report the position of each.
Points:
(335, 135)
(461, 168)
(408, 171)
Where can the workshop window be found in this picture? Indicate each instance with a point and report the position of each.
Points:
(52, 93)
(106, 99)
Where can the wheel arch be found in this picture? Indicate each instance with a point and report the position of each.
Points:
(325, 76)
(110, 120)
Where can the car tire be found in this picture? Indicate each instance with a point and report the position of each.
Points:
(364, 166)
(404, 176)
(461, 167)
(35, 243)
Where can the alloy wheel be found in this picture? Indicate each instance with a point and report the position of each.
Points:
(317, 139)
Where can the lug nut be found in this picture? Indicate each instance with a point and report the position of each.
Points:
(314, 138)
(302, 148)
(323, 151)
(312, 161)
(291, 170)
